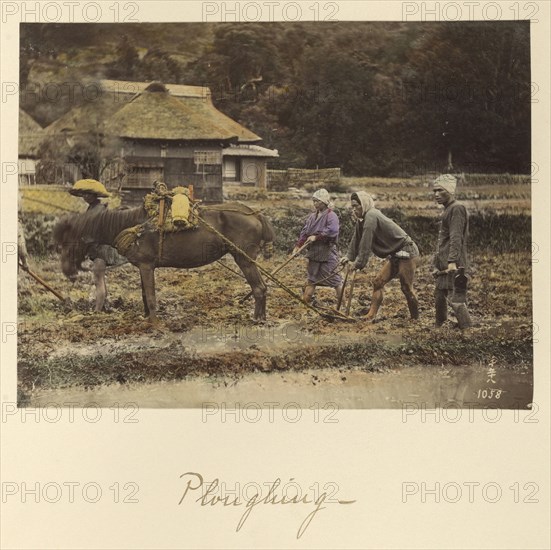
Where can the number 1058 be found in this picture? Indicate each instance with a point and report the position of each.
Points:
(489, 394)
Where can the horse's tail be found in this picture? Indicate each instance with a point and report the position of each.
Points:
(268, 237)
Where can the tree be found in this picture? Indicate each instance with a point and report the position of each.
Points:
(83, 152)
(127, 61)
(335, 113)
(466, 96)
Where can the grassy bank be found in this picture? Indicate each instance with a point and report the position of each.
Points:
(511, 349)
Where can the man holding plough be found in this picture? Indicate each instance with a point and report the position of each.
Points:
(321, 231)
(377, 234)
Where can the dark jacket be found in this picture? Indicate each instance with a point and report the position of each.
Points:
(377, 234)
(452, 237)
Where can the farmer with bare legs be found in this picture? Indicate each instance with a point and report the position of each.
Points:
(450, 261)
(321, 230)
(101, 255)
(377, 234)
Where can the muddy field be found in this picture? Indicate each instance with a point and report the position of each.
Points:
(211, 350)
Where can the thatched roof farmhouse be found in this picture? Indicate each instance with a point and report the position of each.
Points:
(168, 132)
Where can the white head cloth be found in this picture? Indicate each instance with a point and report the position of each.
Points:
(365, 199)
(447, 182)
(323, 196)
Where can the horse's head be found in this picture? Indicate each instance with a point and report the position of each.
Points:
(72, 248)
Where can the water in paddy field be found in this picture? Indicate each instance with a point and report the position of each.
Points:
(411, 387)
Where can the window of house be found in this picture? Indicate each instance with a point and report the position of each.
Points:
(207, 162)
(143, 175)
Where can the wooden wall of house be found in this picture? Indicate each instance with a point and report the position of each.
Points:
(27, 171)
(158, 150)
(207, 187)
(176, 165)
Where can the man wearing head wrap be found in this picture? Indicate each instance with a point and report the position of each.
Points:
(377, 234)
(321, 230)
(101, 255)
(450, 260)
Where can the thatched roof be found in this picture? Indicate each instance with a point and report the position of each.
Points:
(140, 110)
(156, 114)
(30, 135)
(88, 117)
(122, 87)
(249, 151)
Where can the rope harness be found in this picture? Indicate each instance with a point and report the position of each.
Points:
(337, 269)
(319, 311)
(129, 236)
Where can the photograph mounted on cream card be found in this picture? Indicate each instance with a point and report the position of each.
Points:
(329, 215)
(273, 276)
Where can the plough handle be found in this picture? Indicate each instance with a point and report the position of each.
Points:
(339, 302)
(43, 283)
(349, 303)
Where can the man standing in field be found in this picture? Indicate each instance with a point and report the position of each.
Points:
(376, 233)
(102, 255)
(321, 230)
(450, 260)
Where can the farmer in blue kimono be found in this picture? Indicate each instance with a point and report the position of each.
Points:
(321, 230)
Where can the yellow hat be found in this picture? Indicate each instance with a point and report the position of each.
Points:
(89, 186)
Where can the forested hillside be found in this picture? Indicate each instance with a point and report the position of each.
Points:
(375, 99)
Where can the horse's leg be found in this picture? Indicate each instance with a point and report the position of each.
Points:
(98, 271)
(258, 286)
(144, 299)
(147, 274)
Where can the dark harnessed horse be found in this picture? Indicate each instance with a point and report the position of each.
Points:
(219, 228)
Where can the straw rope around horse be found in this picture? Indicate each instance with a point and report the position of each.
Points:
(129, 236)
